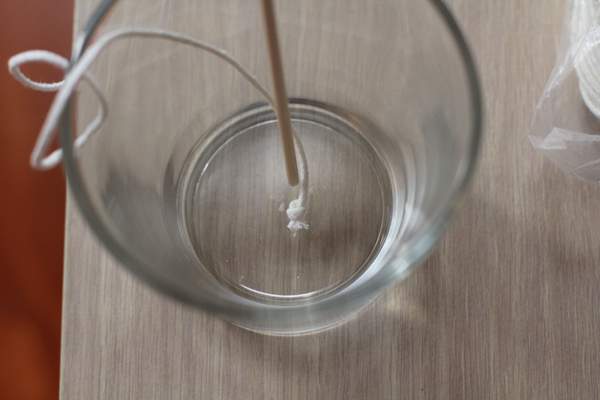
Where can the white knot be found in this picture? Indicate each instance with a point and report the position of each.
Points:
(295, 213)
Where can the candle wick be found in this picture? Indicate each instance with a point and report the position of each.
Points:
(297, 208)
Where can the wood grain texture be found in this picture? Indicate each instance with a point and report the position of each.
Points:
(506, 307)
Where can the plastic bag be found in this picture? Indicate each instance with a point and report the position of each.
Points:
(566, 124)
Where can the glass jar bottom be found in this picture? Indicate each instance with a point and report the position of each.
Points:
(234, 195)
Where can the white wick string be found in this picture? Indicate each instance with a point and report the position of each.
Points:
(38, 160)
(297, 208)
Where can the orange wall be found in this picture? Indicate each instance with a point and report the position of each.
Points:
(31, 209)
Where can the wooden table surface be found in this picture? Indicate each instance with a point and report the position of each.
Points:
(507, 307)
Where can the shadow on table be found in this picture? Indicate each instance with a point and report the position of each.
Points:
(474, 320)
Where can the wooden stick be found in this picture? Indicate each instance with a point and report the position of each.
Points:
(281, 99)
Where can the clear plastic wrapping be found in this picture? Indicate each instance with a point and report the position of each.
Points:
(566, 124)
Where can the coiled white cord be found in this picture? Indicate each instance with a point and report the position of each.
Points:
(297, 208)
(38, 160)
(585, 31)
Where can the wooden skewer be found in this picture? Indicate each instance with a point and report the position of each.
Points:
(281, 99)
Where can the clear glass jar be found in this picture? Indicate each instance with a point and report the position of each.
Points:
(184, 183)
